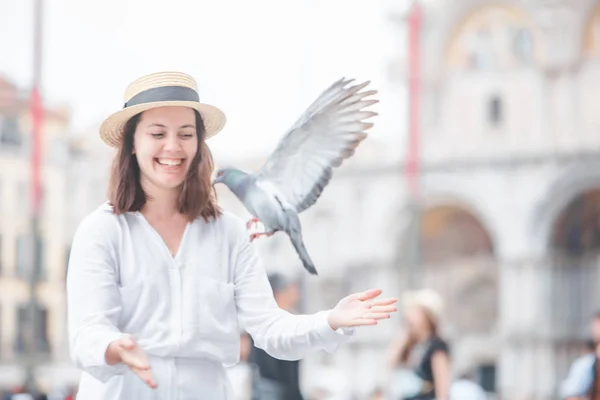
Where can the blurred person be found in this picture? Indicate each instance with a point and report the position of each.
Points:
(159, 275)
(582, 381)
(578, 383)
(22, 396)
(420, 357)
(465, 388)
(281, 378)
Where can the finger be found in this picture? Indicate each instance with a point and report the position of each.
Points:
(382, 302)
(377, 316)
(383, 309)
(369, 294)
(363, 322)
(146, 376)
(133, 361)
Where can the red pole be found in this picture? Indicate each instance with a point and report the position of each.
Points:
(412, 155)
(414, 77)
(37, 113)
(37, 116)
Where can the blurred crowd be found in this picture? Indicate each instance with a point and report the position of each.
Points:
(419, 360)
(21, 393)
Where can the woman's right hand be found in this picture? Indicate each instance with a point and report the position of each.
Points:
(127, 351)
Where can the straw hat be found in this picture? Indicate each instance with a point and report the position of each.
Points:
(159, 90)
(427, 299)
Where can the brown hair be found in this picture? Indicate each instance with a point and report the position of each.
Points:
(198, 196)
(412, 341)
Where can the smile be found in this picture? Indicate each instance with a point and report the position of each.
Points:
(171, 162)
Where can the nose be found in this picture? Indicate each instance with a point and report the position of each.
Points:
(172, 143)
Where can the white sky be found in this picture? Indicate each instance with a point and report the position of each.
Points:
(262, 61)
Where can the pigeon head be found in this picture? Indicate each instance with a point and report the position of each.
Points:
(230, 177)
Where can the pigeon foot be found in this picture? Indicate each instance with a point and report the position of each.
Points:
(251, 222)
(259, 234)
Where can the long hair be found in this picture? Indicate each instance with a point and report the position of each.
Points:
(412, 341)
(198, 196)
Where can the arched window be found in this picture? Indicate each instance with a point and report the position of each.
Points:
(491, 38)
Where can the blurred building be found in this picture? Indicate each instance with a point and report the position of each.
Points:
(16, 240)
(510, 139)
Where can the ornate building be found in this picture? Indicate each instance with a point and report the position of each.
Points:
(509, 148)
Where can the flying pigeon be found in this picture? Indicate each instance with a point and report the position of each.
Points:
(295, 174)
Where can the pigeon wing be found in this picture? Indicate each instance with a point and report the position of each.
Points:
(326, 134)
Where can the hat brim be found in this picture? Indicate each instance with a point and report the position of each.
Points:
(111, 130)
(424, 300)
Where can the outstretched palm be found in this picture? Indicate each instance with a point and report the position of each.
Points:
(132, 355)
(360, 309)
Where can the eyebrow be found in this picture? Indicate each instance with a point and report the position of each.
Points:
(163, 126)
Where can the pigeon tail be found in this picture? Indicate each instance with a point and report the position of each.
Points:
(294, 231)
(298, 243)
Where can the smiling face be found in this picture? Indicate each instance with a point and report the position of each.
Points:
(165, 142)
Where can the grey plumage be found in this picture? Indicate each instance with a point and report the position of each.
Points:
(296, 173)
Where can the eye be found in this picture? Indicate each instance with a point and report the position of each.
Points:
(157, 134)
(187, 135)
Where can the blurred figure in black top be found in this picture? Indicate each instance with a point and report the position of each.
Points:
(420, 357)
(280, 375)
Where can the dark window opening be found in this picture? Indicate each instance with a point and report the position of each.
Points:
(10, 132)
(495, 111)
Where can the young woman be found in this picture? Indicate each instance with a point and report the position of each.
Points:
(420, 356)
(159, 276)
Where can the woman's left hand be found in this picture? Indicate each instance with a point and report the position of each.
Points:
(360, 309)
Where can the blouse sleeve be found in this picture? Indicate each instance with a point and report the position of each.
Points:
(281, 334)
(438, 345)
(93, 300)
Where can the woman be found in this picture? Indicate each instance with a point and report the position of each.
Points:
(420, 356)
(159, 275)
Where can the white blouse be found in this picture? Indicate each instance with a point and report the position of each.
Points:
(182, 310)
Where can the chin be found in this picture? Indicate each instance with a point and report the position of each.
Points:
(170, 184)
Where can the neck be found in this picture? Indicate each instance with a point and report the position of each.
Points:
(422, 335)
(237, 184)
(162, 203)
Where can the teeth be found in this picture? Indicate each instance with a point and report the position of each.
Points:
(169, 161)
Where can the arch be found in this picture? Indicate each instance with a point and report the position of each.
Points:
(493, 37)
(590, 45)
(579, 178)
(458, 260)
(451, 231)
(571, 247)
(576, 230)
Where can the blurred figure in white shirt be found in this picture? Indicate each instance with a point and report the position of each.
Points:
(466, 389)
